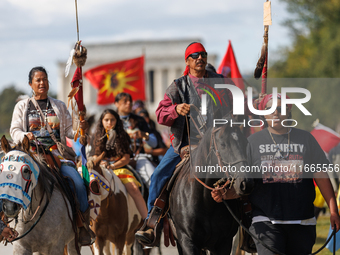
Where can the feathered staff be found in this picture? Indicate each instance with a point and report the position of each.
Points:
(78, 56)
(262, 63)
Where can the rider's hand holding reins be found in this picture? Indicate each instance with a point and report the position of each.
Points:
(217, 195)
(9, 234)
(30, 136)
(182, 109)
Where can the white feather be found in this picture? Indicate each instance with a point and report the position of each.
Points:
(69, 62)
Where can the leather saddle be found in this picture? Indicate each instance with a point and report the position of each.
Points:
(159, 216)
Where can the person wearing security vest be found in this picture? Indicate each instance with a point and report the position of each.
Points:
(171, 112)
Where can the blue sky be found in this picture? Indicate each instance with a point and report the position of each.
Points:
(42, 32)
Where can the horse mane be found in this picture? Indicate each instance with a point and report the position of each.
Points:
(203, 147)
(46, 176)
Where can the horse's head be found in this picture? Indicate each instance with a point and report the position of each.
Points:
(231, 145)
(19, 175)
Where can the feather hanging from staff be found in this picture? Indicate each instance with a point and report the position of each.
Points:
(261, 61)
(78, 56)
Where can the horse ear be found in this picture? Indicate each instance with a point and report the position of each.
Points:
(26, 143)
(99, 158)
(5, 146)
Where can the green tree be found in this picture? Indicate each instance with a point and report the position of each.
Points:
(314, 53)
(7, 102)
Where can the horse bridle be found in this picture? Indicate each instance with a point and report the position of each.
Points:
(217, 153)
(213, 147)
(36, 222)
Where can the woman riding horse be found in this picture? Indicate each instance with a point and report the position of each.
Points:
(31, 121)
(112, 138)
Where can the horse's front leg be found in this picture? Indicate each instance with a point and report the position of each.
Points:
(101, 247)
(186, 245)
(71, 248)
(18, 249)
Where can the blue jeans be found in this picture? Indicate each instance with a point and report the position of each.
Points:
(161, 175)
(80, 191)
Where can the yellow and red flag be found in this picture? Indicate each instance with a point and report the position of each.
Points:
(228, 67)
(114, 78)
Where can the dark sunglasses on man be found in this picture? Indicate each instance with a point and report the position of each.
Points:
(279, 108)
(197, 54)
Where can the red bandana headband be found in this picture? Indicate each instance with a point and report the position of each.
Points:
(195, 47)
(267, 98)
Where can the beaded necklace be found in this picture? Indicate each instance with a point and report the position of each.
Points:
(279, 152)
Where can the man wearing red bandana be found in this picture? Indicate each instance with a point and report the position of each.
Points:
(171, 112)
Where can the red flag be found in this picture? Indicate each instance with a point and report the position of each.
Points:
(228, 67)
(326, 137)
(77, 81)
(112, 79)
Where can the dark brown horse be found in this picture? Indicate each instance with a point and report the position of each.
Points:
(201, 223)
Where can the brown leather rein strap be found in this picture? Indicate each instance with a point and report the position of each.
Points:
(210, 188)
(201, 182)
(36, 211)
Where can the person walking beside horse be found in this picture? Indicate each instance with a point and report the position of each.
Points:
(171, 112)
(282, 200)
(46, 121)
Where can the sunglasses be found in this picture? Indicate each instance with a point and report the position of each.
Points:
(197, 54)
(279, 108)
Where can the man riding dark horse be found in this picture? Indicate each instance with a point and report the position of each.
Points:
(183, 92)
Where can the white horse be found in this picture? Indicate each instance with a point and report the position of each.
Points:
(26, 188)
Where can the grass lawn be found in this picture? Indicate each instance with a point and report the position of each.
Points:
(322, 229)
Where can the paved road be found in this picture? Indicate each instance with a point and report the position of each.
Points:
(7, 250)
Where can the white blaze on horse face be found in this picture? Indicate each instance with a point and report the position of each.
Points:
(234, 135)
(18, 177)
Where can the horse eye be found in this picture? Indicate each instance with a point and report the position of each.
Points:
(1, 167)
(223, 145)
(26, 172)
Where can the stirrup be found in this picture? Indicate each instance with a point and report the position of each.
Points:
(157, 231)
